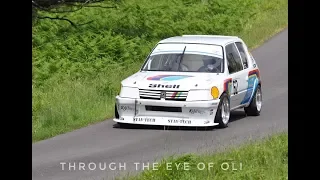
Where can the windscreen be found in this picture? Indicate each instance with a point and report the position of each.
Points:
(186, 58)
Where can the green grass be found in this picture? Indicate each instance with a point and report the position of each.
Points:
(265, 160)
(77, 71)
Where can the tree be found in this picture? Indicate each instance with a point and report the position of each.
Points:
(65, 6)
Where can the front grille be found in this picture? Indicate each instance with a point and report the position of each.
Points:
(169, 95)
(164, 108)
(176, 95)
(149, 94)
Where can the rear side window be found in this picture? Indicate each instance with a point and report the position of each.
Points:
(243, 55)
(233, 59)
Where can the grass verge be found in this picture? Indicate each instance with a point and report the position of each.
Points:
(77, 72)
(267, 160)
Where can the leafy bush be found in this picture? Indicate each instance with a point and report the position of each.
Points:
(126, 35)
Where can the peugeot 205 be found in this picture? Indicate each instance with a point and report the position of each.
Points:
(191, 80)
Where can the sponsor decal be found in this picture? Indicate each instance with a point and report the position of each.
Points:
(211, 111)
(179, 121)
(164, 86)
(168, 77)
(206, 122)
(126, 108)
(196, 111)
(121, 119)
(139, 119)
(176, 94)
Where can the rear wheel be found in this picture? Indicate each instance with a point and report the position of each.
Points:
(223, 112)
(255, 106)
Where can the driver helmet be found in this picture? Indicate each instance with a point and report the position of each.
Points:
(207, 60)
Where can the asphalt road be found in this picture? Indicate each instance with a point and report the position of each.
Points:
(102, 144)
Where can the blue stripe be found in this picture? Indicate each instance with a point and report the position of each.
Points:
(252, 87)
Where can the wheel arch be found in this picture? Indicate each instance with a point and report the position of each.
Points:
(254, 92)
(116, 114)
(225, 93)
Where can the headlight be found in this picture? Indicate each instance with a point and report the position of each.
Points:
(215, 92)
(199, 95)
(129, 92)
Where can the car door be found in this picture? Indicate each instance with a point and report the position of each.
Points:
(242, 49)
(250, 69)
(238, 73)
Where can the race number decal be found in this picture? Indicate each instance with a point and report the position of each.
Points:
(235, 87)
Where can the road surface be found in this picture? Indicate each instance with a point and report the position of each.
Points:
(102, 144)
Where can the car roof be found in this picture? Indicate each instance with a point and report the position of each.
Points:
(202, 39)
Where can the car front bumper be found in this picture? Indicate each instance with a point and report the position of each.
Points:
(166, 113)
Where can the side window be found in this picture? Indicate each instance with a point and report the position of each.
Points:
(242, 54)
(233, 59)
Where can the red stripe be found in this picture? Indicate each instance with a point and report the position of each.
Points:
(255, 71)
(226, 83)
(174, 94)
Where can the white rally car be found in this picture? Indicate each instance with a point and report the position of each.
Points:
(191, 80)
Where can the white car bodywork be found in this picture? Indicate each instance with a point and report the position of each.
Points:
(185, 98)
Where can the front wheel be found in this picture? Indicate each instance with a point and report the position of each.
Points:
(116, 114)
(223, 112)
(119, 124)
(254, 108)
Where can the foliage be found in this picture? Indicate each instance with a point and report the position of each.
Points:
(267, 159)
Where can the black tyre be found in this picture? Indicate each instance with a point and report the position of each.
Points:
(223, 112)
(116, 114)
(254, 108)
(119, 124)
